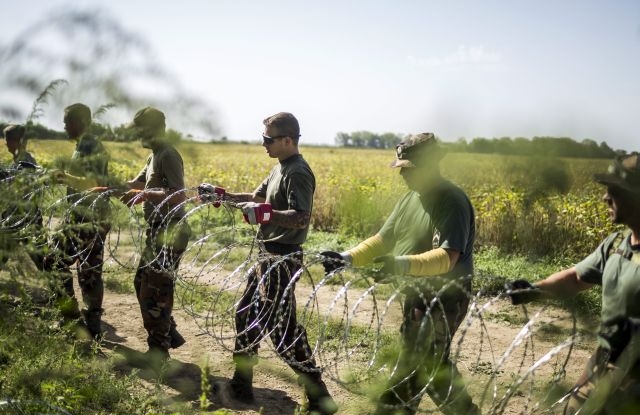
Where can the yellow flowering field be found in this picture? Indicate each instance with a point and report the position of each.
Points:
(523, 204)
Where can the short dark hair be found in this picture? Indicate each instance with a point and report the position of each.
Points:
(14, 132)
(285, 124)
(79, 112)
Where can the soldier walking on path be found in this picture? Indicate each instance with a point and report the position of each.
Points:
(160, 188)
(81, 237)
(427, 243)
(281, 206)
(611, 380)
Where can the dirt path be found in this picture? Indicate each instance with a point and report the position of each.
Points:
(480, 347)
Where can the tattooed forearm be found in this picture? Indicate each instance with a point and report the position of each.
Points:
(239, 197)
(291, 219)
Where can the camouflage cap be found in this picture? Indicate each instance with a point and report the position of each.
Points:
(78, 112)
(148, 117)
(283, 124)
(14, 132)
(418, 149)
(624, 172)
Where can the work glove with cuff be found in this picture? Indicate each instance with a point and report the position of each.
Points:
(210, 193)
(256, 213)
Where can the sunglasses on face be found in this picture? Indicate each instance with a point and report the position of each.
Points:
(270, 140)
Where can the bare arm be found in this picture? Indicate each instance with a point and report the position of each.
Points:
(134, 184)
(454, 256)
(291, 219)
(244, 197)
(169, 196)
(564, 283)
(158, 196)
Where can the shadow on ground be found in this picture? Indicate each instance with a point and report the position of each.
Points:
(186, 379)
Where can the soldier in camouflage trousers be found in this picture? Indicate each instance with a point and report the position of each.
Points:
(281, 207)
(160, 187)
(81, 237)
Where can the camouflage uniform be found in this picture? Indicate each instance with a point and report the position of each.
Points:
(21, 221)
(268, 303)
(80, 238)
(166, 240)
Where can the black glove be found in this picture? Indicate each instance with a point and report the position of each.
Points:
(522, 292)
(331, 261)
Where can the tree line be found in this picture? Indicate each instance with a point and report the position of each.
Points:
(101, 131)
(539, 146)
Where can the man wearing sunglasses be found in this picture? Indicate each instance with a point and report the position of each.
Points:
(611, 379)
(281, 207)
(425, 246)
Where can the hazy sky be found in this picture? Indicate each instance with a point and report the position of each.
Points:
(458, 68)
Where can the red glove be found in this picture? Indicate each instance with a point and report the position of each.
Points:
(210, 193)
(255, 213)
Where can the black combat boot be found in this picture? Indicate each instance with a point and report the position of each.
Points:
(69, 309)
(155, 358)
(176, 338)
(241, 383)
(92, 322)
(318, 396)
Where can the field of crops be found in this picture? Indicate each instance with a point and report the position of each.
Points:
(545, 209)
(524, 205)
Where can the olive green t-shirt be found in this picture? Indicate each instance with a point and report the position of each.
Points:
(290, 185)
(615, 265)
(164, 170)
(91, 160)
(440, 218)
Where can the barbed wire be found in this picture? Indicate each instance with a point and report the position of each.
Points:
(351, 321)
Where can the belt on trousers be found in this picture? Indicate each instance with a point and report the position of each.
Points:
(281, 249)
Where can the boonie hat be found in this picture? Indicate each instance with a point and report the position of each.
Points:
(148, 117)
(14, 131)
(624, 172)
(417, 149)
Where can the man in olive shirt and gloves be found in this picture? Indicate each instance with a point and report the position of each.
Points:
(160, 187)
(611, 380)
(281, 206)
(427, 244)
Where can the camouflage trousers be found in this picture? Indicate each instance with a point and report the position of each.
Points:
(28, 233)
(268, 308)
(624, 400)
(423, 364)
(81, 244)
(155, 279)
